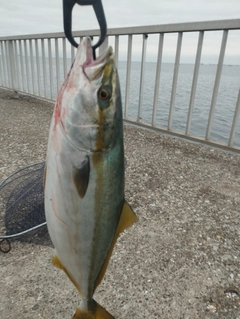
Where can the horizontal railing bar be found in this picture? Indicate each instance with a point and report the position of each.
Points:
(215, 25)
(179, 27)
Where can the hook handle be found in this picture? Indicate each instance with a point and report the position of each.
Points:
(98, 8)
(67, 20)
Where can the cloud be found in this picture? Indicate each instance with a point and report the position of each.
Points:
(27, 16)
(33, 17)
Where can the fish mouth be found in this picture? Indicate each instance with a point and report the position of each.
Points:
(94, 68)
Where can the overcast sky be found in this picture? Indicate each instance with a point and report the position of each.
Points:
(42, 16)
(18, 17)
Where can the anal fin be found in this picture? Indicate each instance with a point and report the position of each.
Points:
(127, 218)
(57, 263)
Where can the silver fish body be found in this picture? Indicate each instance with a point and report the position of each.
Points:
(84, 179)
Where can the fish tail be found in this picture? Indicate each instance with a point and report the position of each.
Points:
(95, 312)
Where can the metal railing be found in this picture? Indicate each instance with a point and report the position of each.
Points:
(151, 87)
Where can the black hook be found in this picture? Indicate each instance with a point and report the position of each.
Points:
(67, 20)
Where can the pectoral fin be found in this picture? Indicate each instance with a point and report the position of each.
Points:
(127, 218)
(81, 177)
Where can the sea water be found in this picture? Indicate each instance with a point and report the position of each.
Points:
(224, 109)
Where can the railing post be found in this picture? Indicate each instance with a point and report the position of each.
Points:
(44, 67)
(17, 65)
(57, 64)
(22, 65)
(194, 82)
(6, 63)
(157, 81)
(1, 66)
(64, 57)
(235, 119)
(128, 75)
(72, 53)
(38, 68)
(50, 67)
(142, 76)
(26, 65)
(216, 84)
(116, 51)
(32, 67)
(11, 65)
(175, 79)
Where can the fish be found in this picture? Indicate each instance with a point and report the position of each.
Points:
(84, 200)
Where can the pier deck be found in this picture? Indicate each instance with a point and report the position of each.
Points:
(182, 258)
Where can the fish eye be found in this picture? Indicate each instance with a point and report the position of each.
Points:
(104, 94)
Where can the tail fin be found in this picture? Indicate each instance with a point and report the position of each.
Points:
(96, 312)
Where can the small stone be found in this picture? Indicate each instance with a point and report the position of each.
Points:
(212, 307)
(35, 307)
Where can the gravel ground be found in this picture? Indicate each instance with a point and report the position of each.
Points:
(181, 260)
